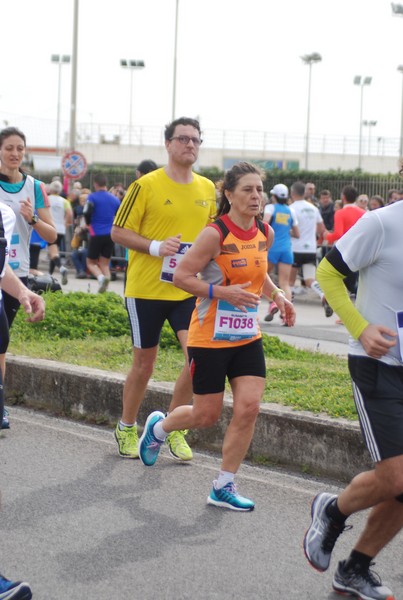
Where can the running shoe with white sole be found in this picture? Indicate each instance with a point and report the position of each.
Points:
(273, 309)
(149, 445)
(179, 449)
(64, 274)
(5, 424)
(128, 441)
(14, 590)
(366, 585)
(322, 534)
(228, 497)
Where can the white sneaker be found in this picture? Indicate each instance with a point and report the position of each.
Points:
(103, 284)
(63, 273)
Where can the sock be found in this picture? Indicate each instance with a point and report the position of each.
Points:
(51, 266)
(123, 425)
(159, 431)
(333, 512)
(100, 278)
(57, 261)
(317, 289)
(357, 561)
(223, 478)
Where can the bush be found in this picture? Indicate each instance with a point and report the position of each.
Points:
(76, 315)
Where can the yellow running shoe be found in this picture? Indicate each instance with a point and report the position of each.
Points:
(128, 441)
(178, 446)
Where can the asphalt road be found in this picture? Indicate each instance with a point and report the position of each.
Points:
(77, 521)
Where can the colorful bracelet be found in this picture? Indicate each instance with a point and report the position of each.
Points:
(276, 291)
(210, 291)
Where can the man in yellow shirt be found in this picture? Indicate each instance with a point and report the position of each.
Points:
(158, 220)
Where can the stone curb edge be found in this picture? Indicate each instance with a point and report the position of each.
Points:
(299, 440)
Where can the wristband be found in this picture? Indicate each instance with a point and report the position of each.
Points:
(210, 291)
(276, 291)
(154, 248)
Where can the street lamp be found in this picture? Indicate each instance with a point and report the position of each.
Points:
(397, 9)
(400, 69)
(309, 59)
(131, 65)
(369, 124)
(361, 81)
(175, 61)
(59, 59)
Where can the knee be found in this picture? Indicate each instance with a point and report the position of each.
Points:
(206, 419)
(248, 412)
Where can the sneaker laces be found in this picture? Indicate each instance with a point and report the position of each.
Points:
(332, 533)
(371, 576)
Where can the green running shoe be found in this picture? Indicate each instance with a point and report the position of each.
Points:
(128, 441)
(178, 446)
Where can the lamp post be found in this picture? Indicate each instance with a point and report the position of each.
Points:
(131, 65)
(309, 59)
(361, 81)
(73, 101)
(59, 59)
(369, 124)
(400, 69)
(175, 61)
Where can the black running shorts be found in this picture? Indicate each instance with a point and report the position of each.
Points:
(210, 366)
(146, 318)
(378, 396)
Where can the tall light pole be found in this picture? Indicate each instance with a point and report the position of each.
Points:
(369, 124)
(59, 59)
(309, 59)
(175, 61)
(73, 102)
(361, 81)
(400, 69)
(131, 65)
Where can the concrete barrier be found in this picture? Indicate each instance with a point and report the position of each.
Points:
(299, 440)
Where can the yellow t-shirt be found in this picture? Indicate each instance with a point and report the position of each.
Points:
(156, 207)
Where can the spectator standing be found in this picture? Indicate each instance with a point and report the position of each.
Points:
(310, 224)
(99, 211)
(309, 194)
(284, 223)
(373, 247)
(159, 219)
(362, 201)
(376, 202)
(79, 242)
(326, 209)
(392, 196)
(62, 214)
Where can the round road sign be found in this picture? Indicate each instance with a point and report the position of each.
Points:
(74, 165)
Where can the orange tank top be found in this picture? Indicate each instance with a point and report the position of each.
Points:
(243, 257)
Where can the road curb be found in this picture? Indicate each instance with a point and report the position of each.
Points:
(314, 444)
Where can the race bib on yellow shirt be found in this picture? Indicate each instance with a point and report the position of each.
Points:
(170, 263)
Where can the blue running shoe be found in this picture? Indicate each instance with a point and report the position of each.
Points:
(14, 590)
(149, 445)
(228, 497)
(5, 424)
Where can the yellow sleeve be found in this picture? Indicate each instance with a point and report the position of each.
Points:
(331, 282)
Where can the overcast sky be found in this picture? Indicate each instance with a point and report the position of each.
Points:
(239, 64)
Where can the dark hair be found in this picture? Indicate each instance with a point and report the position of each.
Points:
(298, 188)
(230, 181)
(170, 128)
(100, 179)
(325, 193)
(8, 132)
(146, 166)
(350, 193)
(379, 199)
